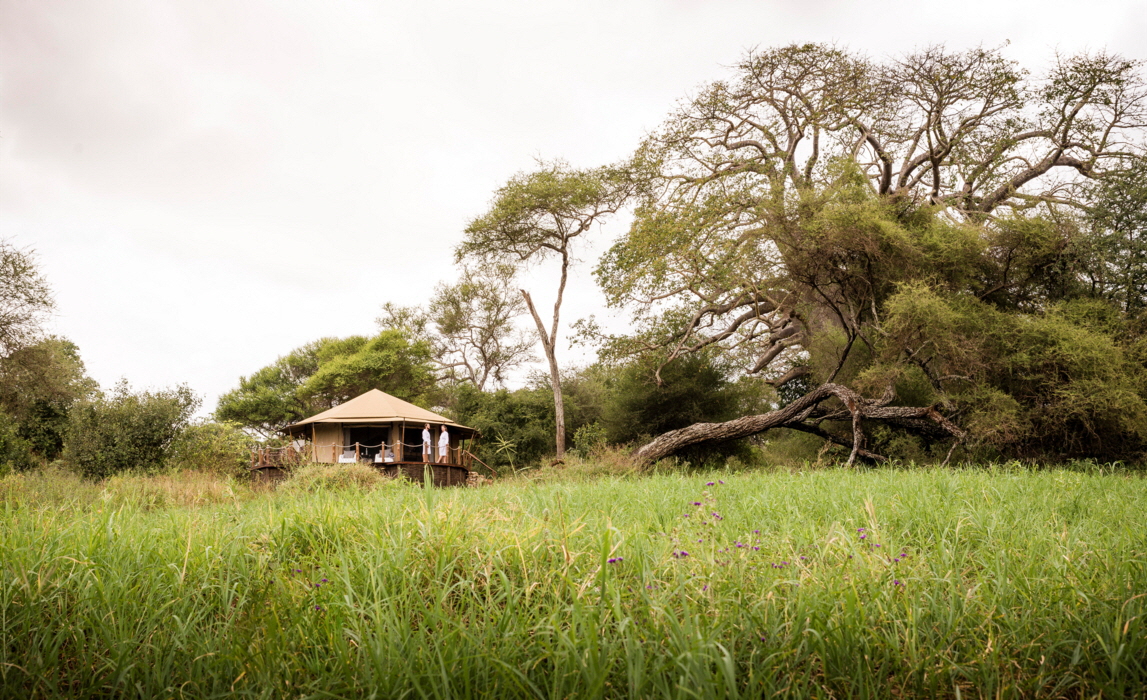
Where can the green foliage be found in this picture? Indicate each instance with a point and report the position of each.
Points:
(218, 448)
(516, 427)
(535, 215)
(127, 430)
(327, 372)
(693, 389)
(269, 400)
(15, 451)
(1118, 215)
(1062, 383)
(25, 298)
(355, 365)
(39, 383)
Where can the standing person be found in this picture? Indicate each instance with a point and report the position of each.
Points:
(443, 446)
(426, 443)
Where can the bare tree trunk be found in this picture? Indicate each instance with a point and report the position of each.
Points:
(555, 378)
(921, 419)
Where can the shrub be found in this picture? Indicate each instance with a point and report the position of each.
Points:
(217, 448)
(126, 431)
(517, 427)
(694, 389)
(15, 452)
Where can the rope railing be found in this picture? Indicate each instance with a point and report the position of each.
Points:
(276, 456)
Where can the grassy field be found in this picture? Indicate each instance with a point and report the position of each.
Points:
(827, 584)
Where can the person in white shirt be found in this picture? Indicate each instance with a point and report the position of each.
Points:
(443, 445)
(426, 443)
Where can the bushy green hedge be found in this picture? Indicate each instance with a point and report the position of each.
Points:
(126, 430)
(216, 447)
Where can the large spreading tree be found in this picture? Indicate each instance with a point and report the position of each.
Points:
(932, 242)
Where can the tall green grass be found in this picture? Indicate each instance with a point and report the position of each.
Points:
(984, 584)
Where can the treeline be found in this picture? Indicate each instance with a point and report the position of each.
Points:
(605, 404)
(937, 256)
(52, 411)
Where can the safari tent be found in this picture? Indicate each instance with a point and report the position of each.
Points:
(362, 429)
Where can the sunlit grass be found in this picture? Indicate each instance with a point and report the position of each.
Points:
(987, 583)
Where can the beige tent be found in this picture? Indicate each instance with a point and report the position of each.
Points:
(358, 429)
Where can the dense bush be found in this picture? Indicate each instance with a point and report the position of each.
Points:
(517, 427)
(693, 389)
(126, 430)
(39, 384)
(15, 451)
(219, 448)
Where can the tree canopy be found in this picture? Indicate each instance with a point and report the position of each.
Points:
(325, 373)
(922, 230)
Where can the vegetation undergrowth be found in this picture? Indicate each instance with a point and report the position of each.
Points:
(834, 582)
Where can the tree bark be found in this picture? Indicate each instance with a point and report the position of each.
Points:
(555, 378)
(796, 416)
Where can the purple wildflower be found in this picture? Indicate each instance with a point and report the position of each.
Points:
(863, 536)
(877, 545)
(756, 532)
(756, 549)
(615, 560)
(710, 484)
(896, 582)
(719, 481)
(696, 503)
(324, 580)
(681, 553)
(298, 571)
(804, 557)
(704, 588)
(318, 607)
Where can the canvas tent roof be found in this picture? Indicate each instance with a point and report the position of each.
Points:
(376, 407)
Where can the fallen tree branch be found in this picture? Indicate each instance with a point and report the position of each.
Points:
(926, 420)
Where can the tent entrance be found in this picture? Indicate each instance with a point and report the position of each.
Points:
(369, 440)
(412, 439)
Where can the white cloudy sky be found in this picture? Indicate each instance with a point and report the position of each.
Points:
(211, 183)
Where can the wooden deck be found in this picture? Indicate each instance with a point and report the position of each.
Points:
(440, 474)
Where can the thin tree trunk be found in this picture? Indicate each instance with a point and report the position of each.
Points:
(555, 378)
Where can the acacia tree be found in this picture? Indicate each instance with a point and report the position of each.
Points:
(788, 206)
(536, 217)
(470, 326)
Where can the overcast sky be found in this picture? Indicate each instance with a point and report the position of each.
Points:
(210, 184)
